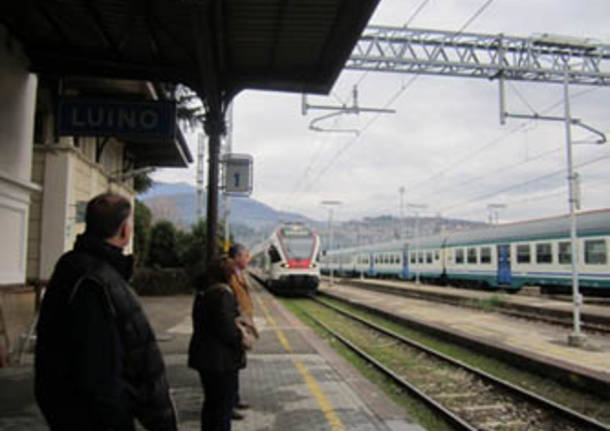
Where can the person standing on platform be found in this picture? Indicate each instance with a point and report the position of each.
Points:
(216, 349)
(238, 282)
(97, 363)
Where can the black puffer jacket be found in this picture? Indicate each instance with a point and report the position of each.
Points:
(97, 363)
(216, 342)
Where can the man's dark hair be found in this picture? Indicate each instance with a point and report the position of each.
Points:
(105, 214)
(237, 249)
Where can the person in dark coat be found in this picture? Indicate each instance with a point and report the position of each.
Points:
(97, 363)
(215, 349)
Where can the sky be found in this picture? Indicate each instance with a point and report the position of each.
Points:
(444, 144)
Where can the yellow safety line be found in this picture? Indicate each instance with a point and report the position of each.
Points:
(329, 413)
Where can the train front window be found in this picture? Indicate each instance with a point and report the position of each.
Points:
(274, 255)
(298, 242)
(595, 252)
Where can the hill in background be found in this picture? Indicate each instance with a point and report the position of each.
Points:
(253, 221)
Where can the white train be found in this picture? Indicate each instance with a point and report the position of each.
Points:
(287, 262)
(506, 256)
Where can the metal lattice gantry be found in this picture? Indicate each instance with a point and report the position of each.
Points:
(433, 52)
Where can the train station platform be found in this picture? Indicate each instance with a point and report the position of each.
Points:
(537, 341)
(595, 312)
(293, 380)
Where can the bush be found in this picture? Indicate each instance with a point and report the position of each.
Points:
(141, 232)
(161, 281)
(162, 249)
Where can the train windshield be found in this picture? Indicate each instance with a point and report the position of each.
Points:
(298, 243)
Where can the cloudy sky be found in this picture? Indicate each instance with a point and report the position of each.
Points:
(444, 144)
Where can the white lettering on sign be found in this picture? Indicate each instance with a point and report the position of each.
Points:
(149, 119)
(124, 118)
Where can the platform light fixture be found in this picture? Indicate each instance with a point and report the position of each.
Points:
(330, 204)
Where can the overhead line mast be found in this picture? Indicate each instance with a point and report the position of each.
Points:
(434, 52)
(541, 58)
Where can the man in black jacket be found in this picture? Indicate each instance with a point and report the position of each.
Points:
(97, 365)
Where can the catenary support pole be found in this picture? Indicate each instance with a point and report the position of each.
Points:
(576, 338)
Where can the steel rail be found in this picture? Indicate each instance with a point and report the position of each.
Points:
(566, 412)
(451, 417)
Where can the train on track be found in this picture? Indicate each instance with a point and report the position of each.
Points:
(506, 256)
(287, 262)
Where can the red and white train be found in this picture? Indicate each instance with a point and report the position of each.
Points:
(287, 262)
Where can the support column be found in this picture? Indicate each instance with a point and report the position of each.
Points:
(214, 127)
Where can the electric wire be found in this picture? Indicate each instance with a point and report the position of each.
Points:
(392, 99)
(471, 155)
(486, 195)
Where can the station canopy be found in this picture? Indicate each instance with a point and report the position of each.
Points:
(286, 45)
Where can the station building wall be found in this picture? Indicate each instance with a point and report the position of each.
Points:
(70, 177)
(17, 106)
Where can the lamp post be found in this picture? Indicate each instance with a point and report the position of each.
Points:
(330, 205)
(401, 190)
(494, 212)
(417, 208)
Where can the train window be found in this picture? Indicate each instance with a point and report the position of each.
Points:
(459, 255)
(274, 255)
(429, 257)
(595, 252)
(544, 253)
(523, 253)
(485, 254)
(472, 255)
(437, 254)
(398, 258)
(420, 258)
(565, 253)
(413, 257)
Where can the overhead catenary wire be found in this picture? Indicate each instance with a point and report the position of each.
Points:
(394, 97)
(486, 195)
(471, 155)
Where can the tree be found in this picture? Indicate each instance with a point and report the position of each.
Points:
(162, 251)
(141, 232)
(142, 182)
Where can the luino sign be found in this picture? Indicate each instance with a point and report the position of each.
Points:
(107, 117)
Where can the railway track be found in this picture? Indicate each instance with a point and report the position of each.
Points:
(515, 310)
(468, 398)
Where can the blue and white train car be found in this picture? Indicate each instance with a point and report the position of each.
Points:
(535, 252)
(426, 257)
(507, 256)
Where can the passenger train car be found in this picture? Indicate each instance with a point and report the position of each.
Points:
(288, 261)
(506, 256)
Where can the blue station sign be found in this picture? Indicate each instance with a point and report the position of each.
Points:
(107, 117)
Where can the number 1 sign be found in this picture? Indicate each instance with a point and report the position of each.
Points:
(237, 174)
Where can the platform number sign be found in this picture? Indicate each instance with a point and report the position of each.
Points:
(238, 174)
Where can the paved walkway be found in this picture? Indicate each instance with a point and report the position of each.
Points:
(293, 380)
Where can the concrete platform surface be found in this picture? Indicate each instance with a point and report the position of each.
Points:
(522, 299)
(539, 339)
(293, 381)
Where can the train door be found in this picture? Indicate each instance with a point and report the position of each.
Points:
(372, 265)
(405, 263)
(504, 271)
